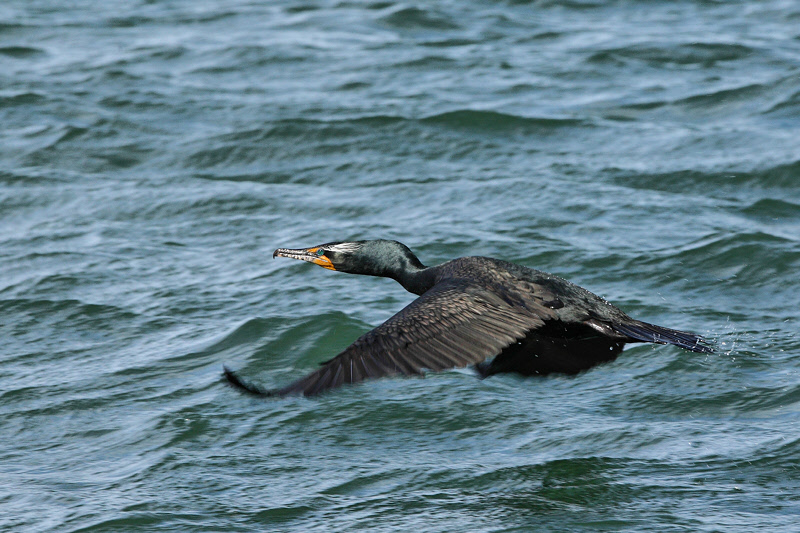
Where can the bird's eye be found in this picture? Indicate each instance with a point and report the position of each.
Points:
(320, 252)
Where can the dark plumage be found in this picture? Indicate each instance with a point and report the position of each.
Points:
(496, 315)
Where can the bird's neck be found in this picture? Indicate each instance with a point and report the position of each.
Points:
(404, 267)
(415, 280)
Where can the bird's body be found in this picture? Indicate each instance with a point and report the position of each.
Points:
(495, 315)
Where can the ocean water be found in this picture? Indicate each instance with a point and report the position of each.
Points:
(153, 154)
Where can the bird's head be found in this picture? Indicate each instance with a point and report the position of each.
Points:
(373, 258)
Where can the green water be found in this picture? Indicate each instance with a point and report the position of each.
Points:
(154, 154)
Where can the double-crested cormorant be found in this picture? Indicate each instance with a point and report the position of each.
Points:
(495, 315)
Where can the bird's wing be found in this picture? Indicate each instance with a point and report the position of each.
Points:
(454, 324)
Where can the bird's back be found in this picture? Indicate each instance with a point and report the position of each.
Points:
(524, 286)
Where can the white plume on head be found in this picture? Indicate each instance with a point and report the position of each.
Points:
(343, 247)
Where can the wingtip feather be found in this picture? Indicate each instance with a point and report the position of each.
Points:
(251, 388)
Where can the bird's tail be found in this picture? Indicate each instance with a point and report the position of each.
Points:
(644, 332)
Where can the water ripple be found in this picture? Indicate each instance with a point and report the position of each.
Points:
(417, 18)
(706, 54)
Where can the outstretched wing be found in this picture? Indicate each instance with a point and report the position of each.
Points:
(453, 325)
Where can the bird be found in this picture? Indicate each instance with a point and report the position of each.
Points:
(493, 315)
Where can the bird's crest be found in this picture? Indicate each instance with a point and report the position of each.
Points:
(342, 247)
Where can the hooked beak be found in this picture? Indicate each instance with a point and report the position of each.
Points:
(307, 254)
